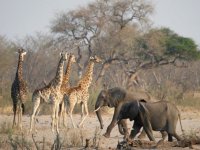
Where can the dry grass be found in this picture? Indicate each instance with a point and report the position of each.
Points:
(6, 128)
(74, 138)
(172, 94)
(189, 139)
(191, 134)
(189, 102)
(19, 142)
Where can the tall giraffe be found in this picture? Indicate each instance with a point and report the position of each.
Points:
(65, 87)
(19, 90)
(80, 93)
(50, 94)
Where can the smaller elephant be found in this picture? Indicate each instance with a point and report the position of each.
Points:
(158, 116)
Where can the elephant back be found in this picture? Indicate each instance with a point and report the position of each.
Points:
(139, 95)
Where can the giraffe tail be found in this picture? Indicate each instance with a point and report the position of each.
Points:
(23, 108)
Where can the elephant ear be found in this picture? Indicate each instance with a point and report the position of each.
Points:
(117, 94)
(145, 116)
(143, 110)
(104, 94)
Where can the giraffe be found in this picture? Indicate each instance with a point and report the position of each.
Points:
(65, 87)
(19, 91)
(50, 94)
(80, 94)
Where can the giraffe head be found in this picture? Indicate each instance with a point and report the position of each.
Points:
(22, 53)
(64, 56)
(72, 57)
(95, 59)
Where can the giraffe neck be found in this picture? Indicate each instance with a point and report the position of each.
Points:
(67, 72)
(59, 74)
(87, 78)
(19, 68)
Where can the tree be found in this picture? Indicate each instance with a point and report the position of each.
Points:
(7, 59)
(186, 48)
(99, 26)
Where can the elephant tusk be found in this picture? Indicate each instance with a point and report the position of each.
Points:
(117, 122)
(97, 109)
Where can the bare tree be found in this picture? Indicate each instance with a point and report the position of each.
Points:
(99, 26)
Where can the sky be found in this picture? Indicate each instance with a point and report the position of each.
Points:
(19, 18)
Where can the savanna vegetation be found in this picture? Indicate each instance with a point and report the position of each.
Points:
(135, 54)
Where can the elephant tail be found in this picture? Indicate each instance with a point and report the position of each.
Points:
(179, 116)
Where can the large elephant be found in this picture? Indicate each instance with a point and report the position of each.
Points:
(158, 116)
(116, 97)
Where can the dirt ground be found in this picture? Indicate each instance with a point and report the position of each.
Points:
(190, 122)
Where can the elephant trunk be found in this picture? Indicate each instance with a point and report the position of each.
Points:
(98, 113)
(122, 126)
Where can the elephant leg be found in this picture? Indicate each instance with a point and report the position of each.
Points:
(149, 134)
(176, 136)
(135, 130)
(170, 139)
(123, 128)
(114, 121)
(109, 128)
(164, 135)
(172, 132)
(147, 128)
(142, 134)
(146, 123)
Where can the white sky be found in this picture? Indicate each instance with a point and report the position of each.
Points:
(26, 17)
(182, 16)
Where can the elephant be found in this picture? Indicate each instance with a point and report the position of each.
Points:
(115, 97)
(158, 116)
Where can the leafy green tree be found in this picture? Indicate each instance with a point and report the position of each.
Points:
(186, 48)
(163, 44)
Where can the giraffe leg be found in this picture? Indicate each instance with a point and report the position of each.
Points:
(36, 104)
(64, 115)
(36, 114)
(87, 113)
(53, 117)
(57, 118)
(60, 113)
(14, 111)
(82, 110)
(20, 117)
(82, 113)
(70, 113)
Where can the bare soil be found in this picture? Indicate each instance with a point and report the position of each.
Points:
(190, 122)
